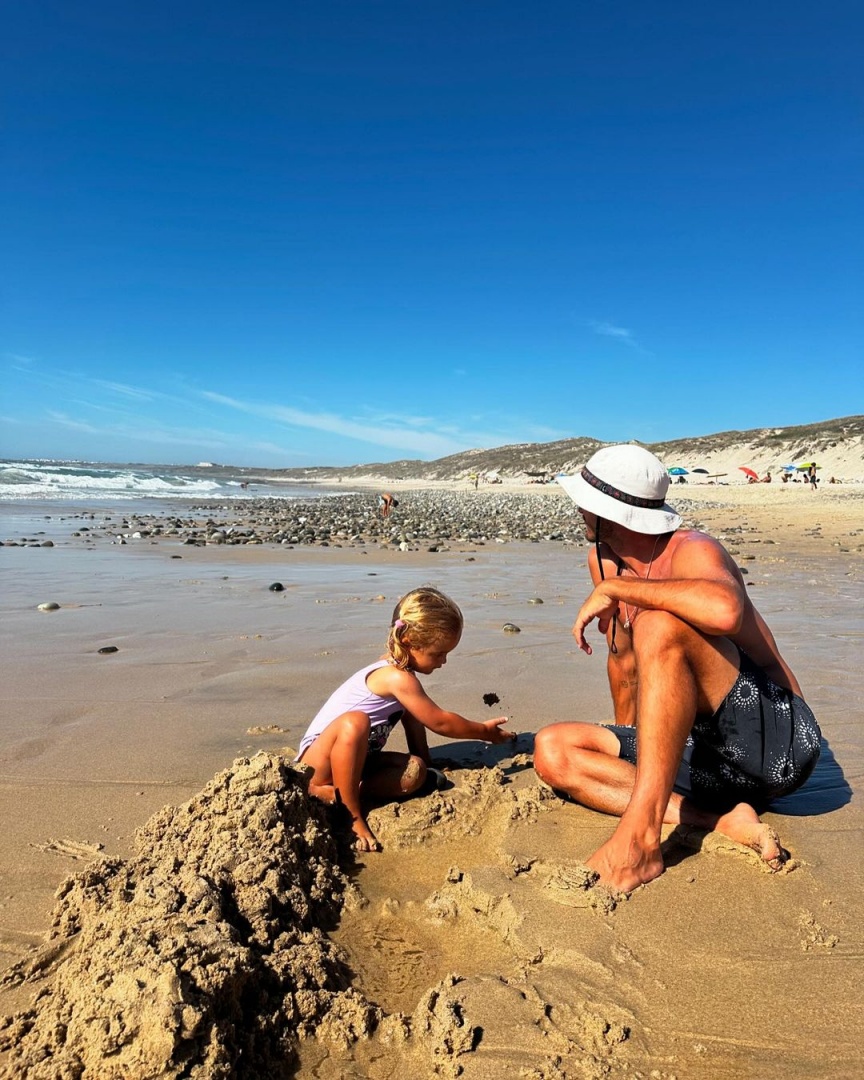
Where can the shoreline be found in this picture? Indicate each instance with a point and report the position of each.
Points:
(94, 745)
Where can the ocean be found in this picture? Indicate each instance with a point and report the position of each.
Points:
(86, 481)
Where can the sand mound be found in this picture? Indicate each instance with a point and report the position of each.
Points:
(207, 954)
(204, 954)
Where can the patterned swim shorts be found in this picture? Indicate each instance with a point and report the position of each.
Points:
(762, 742)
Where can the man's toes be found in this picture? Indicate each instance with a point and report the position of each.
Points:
(779, 860)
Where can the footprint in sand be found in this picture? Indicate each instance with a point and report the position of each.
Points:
(70, 849)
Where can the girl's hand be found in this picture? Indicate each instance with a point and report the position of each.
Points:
(495, 733)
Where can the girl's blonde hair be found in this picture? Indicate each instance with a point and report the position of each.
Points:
(425, 617)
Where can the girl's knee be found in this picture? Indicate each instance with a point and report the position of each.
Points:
(353, 725)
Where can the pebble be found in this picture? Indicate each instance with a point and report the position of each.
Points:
(535, 600)
(432, 521)
(108, 649)
(50, 606)
(511, 628)
(277, 586)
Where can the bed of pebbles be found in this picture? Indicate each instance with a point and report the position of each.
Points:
(422, 520)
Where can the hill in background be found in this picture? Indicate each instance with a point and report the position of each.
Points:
(837, 445)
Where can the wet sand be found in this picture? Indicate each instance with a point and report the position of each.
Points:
(472, 942)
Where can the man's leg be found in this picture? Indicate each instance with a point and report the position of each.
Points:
(582, 761)
(680, 672)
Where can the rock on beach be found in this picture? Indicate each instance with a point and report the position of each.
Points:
(424, 520)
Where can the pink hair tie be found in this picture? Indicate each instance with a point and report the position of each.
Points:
(399, 624)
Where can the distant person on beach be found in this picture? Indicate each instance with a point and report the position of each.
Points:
(386, 503)
(344, 744)
(703, 700)
(812, 478)
(766, 479)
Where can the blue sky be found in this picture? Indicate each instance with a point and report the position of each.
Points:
(302, 233)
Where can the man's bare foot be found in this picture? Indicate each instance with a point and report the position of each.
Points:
(623, 863)
(743, 825)
(366, 839)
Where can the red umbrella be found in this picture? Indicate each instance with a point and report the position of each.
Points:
(749, 472)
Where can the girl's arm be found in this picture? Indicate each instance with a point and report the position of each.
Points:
(415, 736)
(406, 688)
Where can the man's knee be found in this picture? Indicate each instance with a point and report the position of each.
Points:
(556, 748)
(546, 753)
(661, 638)
(658, 632)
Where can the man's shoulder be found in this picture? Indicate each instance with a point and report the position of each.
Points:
(687, 538)
(693, 545)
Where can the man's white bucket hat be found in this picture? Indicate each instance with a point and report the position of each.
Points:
(627, 484)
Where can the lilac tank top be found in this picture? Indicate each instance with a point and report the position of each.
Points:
(355, 696)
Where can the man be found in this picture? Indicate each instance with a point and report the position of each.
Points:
(386, 503)
(720, 725)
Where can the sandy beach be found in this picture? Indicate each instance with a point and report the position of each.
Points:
(237, 935)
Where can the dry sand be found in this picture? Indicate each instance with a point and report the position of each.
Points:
(230, 933)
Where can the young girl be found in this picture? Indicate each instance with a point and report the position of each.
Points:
(344, 744)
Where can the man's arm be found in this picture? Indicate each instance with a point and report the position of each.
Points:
(621, 664)
(702, 588)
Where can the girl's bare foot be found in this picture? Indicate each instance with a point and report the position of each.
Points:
(743, 825)
(366, 839)
(325, 792)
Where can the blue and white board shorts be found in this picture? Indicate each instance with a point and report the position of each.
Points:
(762, 742)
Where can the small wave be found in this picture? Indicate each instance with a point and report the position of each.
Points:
(77, 481)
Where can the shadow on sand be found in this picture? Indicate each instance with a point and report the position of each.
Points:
(826, 789)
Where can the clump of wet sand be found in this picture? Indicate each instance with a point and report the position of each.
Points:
(205, 952)
(210, 952)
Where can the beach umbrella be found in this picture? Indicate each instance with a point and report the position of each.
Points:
(700, 470)
(677, 471)
(749, 472)
(789, 468)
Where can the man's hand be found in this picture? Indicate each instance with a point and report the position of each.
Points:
(497, 734)
(598, 606)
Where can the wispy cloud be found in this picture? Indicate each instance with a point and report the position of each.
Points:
(380, 430)
(137, 432)
(21, 363)
(134, 392)
(617, 333)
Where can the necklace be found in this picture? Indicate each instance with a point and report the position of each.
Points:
(628, 618)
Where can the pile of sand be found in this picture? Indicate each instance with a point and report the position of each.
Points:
(207, 953)
(203, 954)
